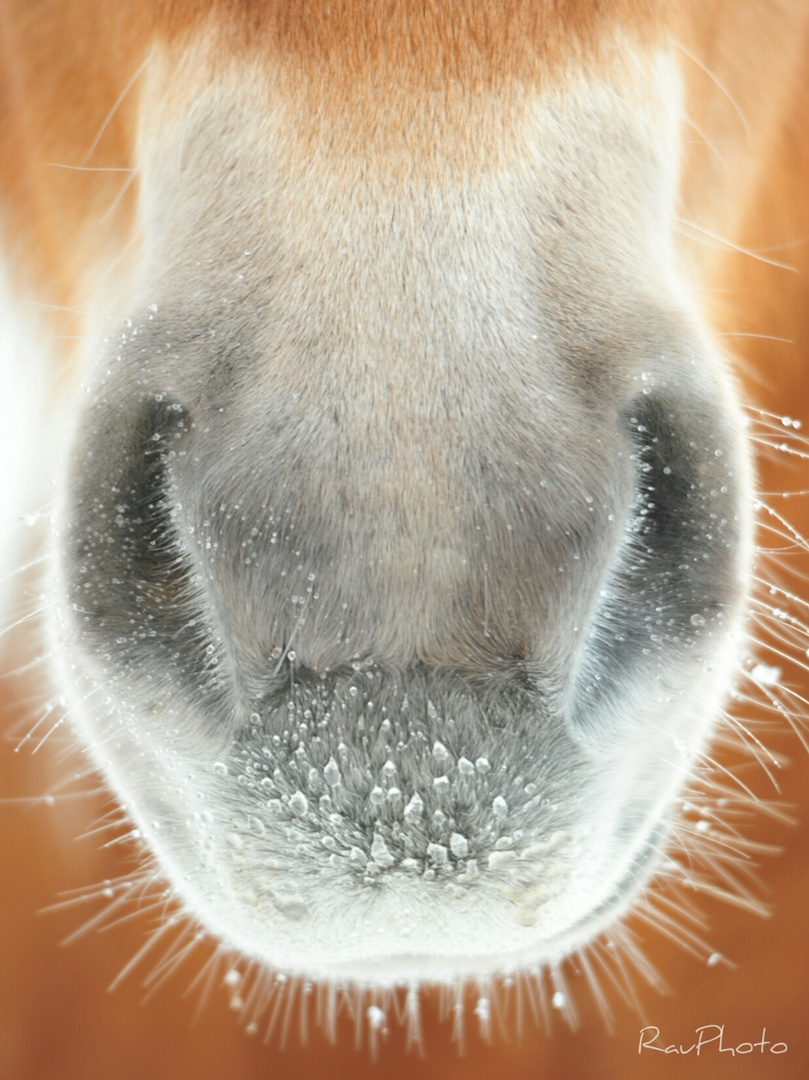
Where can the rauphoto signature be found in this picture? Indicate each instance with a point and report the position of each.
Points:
(709, 1037)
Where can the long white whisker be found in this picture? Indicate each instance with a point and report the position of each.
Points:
(115, 107)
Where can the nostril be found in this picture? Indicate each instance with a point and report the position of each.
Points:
(122, 514)
(679, 567)
(684, 532)
(128, 583)
(669, 467)
(144, 508)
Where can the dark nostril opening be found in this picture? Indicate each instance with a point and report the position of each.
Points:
(129, 582)
(677, 569)
(683, 534)
(668, 471)
(144, 513)
(124, 520)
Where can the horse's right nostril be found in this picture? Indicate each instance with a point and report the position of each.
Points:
(127, 578)
(143, 505)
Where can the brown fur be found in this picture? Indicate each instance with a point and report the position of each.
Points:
(62, 75)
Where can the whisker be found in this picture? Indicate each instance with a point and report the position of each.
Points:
(84, 168)
(714, 239)
(115, 107)
(718, 83)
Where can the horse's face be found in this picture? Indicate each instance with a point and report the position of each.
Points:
(402, 547)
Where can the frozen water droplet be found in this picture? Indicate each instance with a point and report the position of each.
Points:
(389, 769)
(358, 856)
(465, 767)
(697, 620)
(220, 768)
(714, 959)
(380, 854)
(299, 804)
(765, 675)
(414, 809)
(459, 845)
(441, 784)
(482, 765)
(437, 853)
(500, 806)
(233, 977)
(376, 1017)
(331, 773)
(377, 796)
(483, 1010)
(440, 752)
(558, 1000)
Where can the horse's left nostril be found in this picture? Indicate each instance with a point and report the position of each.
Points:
(680, 568)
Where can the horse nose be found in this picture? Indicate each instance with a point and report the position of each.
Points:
(209, 554)
(130, 593)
